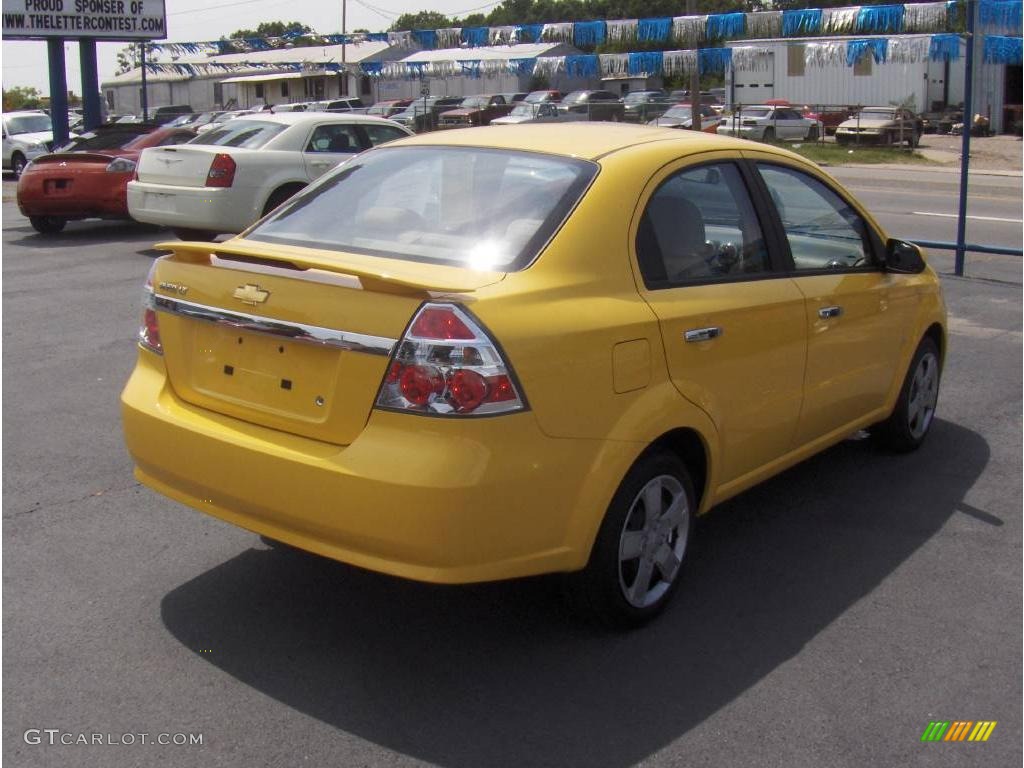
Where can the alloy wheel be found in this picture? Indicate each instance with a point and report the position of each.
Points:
(924, 393)
(653, 541)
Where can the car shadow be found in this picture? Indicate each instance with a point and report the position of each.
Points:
(499, 675)
(91, 231)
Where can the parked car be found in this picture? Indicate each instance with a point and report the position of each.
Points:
(545, 112)
(220, 118)
(551, 366)
(829, 117)
(296, 107)
(475, 110)
(540, 97)
(644, 106)
(228, 177)
(422, 114)
(26, 136)
(596, 105)
(514, 98)
(388, 107)
(341, 105)
(768, 123)
(881, 125)
(681, 116)
(167, 114)
(88, 178)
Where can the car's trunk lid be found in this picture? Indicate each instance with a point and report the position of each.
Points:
(179, 166)
(293, 339)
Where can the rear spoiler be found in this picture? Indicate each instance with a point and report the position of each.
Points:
(375, 273)
(88, 157)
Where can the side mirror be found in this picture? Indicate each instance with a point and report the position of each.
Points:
(903, 258)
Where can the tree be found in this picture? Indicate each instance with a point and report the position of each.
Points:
(270, 29)
(422, 20)
(20, 97)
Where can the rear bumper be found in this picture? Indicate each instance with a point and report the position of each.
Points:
(88, 198)
(204, 208)
(421, 498)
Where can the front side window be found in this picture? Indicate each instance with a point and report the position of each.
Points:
(700, 225)
(476, 208)
(334, 138)
(823, 231)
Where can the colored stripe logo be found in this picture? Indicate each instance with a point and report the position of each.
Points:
(958, 730)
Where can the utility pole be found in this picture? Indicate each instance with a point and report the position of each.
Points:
(691, 10)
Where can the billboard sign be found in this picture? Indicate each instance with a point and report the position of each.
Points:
(116, 20)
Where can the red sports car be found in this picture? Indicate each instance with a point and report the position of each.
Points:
(88, 178)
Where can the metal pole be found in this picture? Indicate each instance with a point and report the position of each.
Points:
(58, 91)
(965, 144)
(691, 10)
(90, 84)
(344, 70)
(145, 98)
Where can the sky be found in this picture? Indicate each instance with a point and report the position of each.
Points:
(24, 63)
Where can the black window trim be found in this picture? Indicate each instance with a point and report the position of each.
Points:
(778, 266)
(782, 241)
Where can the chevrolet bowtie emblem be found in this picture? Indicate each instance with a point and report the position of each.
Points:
(251, 294)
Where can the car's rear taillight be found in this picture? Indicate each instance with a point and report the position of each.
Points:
(149, 330)
(222, 171)
(447, 365)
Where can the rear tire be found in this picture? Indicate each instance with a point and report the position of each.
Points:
(768, 135)
(195, 234)
(812, 133)
(908, 425)
(47, 225)
(277, 197)
(638, 555)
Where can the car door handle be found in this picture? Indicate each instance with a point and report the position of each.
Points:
(702, 334)
(826, 312)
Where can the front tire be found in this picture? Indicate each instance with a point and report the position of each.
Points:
(635, 564)
(768, 135)
(812, 133)
(18, 163)
(47, 225)
(907, 427)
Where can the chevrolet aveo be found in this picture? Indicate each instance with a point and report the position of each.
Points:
(500, 352)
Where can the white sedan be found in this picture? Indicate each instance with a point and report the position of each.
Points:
(769, 123)
(227, 178)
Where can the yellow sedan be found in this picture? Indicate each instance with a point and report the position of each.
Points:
(498, 352)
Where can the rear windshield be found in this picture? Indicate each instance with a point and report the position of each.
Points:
(250, 134)
(476, 208)
(95, 141)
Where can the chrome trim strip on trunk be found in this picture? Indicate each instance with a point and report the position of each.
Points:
(309, 334)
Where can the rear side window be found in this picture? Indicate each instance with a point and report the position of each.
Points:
(250, 134)
(481, 209)
(700, 226)
(380, 134)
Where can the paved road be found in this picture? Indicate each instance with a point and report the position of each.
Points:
(828, 615)
(922, 205)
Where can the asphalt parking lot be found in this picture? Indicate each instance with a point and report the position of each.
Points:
(827, 615)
